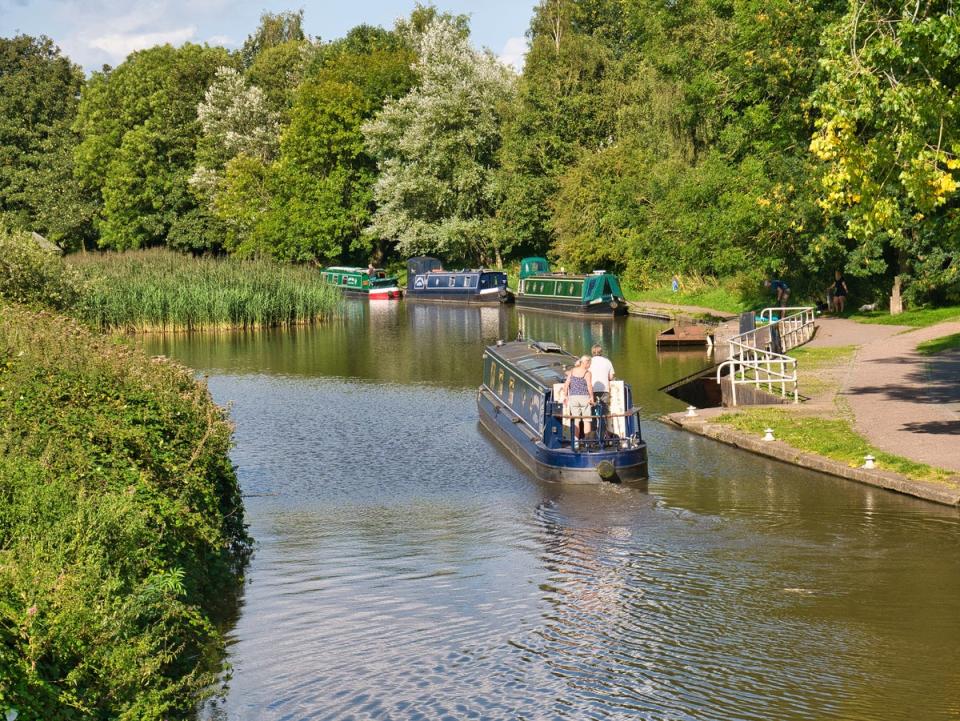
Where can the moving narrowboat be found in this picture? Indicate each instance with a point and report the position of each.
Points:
(371, 283)
(427, 280)
(595, 294)
(520, 405)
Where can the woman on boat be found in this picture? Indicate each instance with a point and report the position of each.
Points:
(578, 390)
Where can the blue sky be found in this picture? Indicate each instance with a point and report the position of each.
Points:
(94, 32)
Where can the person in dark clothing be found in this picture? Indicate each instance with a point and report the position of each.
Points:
(839, 292)
(781, 289)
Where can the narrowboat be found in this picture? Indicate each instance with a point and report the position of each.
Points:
(371, 283)
(595, 294)
(520, 405)
(427, 280)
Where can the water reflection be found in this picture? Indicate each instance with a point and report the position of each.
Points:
(407, 569)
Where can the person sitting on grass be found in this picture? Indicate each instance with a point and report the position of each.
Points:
(781, 289)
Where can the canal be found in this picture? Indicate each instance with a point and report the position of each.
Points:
(406, 568)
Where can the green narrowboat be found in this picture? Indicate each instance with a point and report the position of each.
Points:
(595, 294)
(371, 283)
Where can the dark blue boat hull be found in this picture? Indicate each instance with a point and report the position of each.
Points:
(561, 464)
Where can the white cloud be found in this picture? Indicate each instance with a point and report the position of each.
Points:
(119, 45)
(514, 53)
(224, 40)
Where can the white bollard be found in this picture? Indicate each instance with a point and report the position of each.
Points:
(768, 435)
(868, 462)
(691, 411)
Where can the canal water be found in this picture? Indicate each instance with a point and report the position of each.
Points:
(406, 568)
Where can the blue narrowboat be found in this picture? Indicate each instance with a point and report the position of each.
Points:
(596, 294)
(427, 280)
(520, 405)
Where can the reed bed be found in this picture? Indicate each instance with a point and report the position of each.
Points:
(162, 291)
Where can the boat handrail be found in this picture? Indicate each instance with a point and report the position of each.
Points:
(626, 414)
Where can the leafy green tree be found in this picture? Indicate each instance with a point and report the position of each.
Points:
(39, 90)
(322, 185)
(889, 138)
(139, 129)
(275, 29)
(278, 71)
(437, 149)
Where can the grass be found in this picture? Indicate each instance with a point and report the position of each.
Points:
(121, 527)
(830, 437)
(939, 345)
(715, 298)
(919, 318)
(813, 358)
(159, 290)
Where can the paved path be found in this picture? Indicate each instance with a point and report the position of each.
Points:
(903, 402)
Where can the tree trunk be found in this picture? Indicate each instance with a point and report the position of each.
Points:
(499, 258)
(896, 302)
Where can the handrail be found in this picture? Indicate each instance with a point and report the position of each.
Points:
(753, 361)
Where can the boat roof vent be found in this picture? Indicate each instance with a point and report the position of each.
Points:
(599, 272)
(543, 346)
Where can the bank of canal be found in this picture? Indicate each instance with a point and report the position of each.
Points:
(406, 569)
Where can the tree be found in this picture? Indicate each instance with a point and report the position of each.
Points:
(436, 149)
(139, 130)
(889, 138)
(274, 30)
(39, 90)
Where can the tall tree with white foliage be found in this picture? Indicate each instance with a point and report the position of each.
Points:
(436, 149)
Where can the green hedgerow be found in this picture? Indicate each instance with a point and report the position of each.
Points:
(32, 275)
(121, 526)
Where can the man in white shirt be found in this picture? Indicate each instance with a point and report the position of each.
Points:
(602, 371)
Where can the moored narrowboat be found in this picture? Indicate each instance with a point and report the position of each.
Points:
(427, 280)
(371, 283)
(520, 405)
(596, 294)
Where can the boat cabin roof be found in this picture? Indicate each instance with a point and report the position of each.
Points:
(546, 363)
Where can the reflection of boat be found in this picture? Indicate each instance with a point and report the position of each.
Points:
(518, 404)
(373, 284)
(685, 335)
(427, 280)
(598, 293)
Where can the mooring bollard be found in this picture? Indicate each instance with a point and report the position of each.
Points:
(868, 462)
(691, 411)
(768, 435)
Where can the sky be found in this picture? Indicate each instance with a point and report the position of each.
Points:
(94, 32)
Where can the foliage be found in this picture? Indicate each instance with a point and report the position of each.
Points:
(121, 526)
(158, 290)
(436, 149)
(139, 131)
(831, 437)
(703, 292)
(32, 275)
(939, 345)
(889, 141)
(275, 29)
(322, 196)
(39, 89)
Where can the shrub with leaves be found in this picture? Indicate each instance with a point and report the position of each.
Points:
(32, 275)
(121, 526)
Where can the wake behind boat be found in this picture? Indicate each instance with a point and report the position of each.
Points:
(519, 404)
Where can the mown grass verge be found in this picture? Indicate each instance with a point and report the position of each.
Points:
(939, 345)
(160, 290)
(714, 297)
(830, 437)
(121, 526)
(919, 318)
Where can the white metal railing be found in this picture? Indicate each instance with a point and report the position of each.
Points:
(753, 361)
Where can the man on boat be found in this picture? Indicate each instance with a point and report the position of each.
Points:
(602, 371)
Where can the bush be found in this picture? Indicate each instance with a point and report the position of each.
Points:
(121, 526)
(31, 275)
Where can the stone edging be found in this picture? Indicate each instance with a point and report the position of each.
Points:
(938, 493)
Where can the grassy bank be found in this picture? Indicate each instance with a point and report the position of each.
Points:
(939, 345)
(830, 437)
(918, 318)
(121, 526)
(159, 290)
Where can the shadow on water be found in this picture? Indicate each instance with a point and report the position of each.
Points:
(407, 568)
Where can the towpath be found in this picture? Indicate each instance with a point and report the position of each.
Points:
(902, 401)
(670, 310)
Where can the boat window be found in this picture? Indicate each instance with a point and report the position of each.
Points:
(433, 282)
(470, 281)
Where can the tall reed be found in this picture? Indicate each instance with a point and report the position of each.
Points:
(159, 290)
